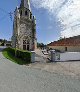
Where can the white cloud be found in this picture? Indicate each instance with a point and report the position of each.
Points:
(67, 12)
(50, 5)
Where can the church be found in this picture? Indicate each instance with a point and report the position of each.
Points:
(24, 28)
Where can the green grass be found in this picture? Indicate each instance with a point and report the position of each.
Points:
(7, 54)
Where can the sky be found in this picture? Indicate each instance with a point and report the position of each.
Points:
(54, 18)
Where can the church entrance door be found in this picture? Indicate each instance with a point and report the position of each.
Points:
(27, 47)
(24, 47)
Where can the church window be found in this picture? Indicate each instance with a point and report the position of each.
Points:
(28, 47)
(28, 42)
(24, 41)
(24, 47)
(25, 12)
(30, 16)
(21, 12)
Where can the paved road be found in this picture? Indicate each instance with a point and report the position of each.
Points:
(16, 78)
(40, 57)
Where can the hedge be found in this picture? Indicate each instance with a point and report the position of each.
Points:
(24, 55)
(11, 50)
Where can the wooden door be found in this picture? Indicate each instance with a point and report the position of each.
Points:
(27, 47)
(24, 47)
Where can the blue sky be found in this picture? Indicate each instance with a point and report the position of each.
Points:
(47, 29)
(54, 18)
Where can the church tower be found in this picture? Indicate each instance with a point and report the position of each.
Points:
(24, 27)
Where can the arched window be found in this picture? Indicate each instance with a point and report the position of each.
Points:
(24, 41)
(30, 16)
(27, 41)
(21, 12)
(25, 12)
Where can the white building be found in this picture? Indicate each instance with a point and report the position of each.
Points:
(24, 27)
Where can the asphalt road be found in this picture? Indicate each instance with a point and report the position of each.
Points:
(16, 78)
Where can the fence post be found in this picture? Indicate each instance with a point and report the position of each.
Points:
(52, 55)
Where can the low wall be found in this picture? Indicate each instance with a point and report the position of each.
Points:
(67, 56)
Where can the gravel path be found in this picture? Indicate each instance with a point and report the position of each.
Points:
(16, 78)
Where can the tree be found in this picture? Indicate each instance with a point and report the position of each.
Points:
(2, 42)
(41, 45)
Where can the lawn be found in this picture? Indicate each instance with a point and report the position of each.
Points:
(6, 53)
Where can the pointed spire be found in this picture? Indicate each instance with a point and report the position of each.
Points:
(17, 12)
(26, 4)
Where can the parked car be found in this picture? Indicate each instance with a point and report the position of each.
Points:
(45, 52)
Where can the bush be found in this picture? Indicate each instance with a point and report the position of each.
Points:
(25, 56)
(11, 50)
